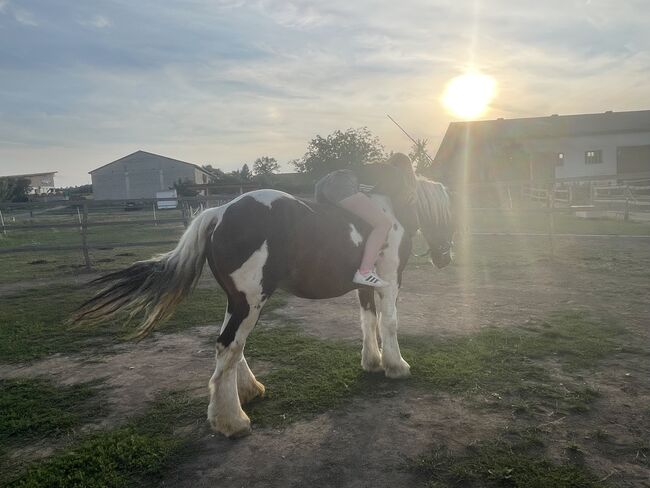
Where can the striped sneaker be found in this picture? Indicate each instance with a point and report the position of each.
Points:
(369, 279)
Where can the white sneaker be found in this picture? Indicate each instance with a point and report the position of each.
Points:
(369, 279)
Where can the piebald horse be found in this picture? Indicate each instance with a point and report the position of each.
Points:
(266, 240)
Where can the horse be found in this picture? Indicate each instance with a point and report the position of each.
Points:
(266, 240)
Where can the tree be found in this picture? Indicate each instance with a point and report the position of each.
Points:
(14, 189)
(215, 173)
(183, 190)
(340, 150)
(419, 156)
(245, 173)
(265, 166)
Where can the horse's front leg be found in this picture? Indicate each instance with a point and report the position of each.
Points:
(370, 353)
(392, 360)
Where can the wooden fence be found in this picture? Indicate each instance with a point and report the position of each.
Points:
(188, 208)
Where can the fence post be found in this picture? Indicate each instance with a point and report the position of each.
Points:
(155, 222)
(84, 236)
(551, 217)
(2, 220)
(184, 211)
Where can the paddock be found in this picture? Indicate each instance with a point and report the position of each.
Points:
(530, 367)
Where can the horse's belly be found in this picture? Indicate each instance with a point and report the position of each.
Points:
(317, 293)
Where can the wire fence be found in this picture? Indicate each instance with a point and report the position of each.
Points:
(98, 225)
(511, 209)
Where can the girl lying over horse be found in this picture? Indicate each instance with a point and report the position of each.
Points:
(267, 240)
(349, 189)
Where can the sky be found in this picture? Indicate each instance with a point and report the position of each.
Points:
(222, 82)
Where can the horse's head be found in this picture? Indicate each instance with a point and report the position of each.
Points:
(434, 215)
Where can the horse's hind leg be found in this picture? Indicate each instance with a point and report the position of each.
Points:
(245, 301)
(370, 353)
(224, 412)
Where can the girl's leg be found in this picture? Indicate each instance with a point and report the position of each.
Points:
(361, 206)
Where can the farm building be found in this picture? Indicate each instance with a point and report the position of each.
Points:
(604, 146)
(141, 175)
(38, 182)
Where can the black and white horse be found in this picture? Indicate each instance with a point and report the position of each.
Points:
(267, 240)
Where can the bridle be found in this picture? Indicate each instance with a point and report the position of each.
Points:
(443, 250)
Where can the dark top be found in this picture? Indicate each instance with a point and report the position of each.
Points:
(384, 179)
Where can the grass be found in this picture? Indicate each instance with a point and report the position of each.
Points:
(507, 366)
(519, 463)
(310, 375)
(61, 265)
(33, 323)
(34, 408)
(137, 454)
(513, 366)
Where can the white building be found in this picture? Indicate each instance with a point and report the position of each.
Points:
(141, 175)
(603, 146)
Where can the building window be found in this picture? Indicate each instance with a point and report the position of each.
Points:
(559, 161)
(593, 157)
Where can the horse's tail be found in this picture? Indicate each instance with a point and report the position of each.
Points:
(155, 286)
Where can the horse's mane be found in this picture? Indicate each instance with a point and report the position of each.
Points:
(433, 202)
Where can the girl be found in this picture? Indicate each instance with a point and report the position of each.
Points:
(349, 189)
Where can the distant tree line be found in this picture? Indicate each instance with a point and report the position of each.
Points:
(338, 150)
(14, 189)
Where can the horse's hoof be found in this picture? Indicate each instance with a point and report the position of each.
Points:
(240, 433)
(372, 367)
(233, 429)
(403, 370)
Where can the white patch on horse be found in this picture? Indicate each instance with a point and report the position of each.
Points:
(355, 236)
(389, 257)
(226, 319)
(248, 278)
(267, 197)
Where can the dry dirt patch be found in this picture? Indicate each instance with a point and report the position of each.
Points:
(364, 444)
(135, 373)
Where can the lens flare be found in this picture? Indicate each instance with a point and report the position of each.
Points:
(467, 96)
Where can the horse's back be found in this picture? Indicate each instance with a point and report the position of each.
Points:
(311, 249)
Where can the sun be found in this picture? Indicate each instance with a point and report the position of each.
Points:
(467, 96)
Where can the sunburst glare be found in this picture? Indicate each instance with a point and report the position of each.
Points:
(468, 96)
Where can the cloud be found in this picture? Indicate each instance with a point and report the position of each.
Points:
(226, 81)
(98, 21)
(25, 17)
